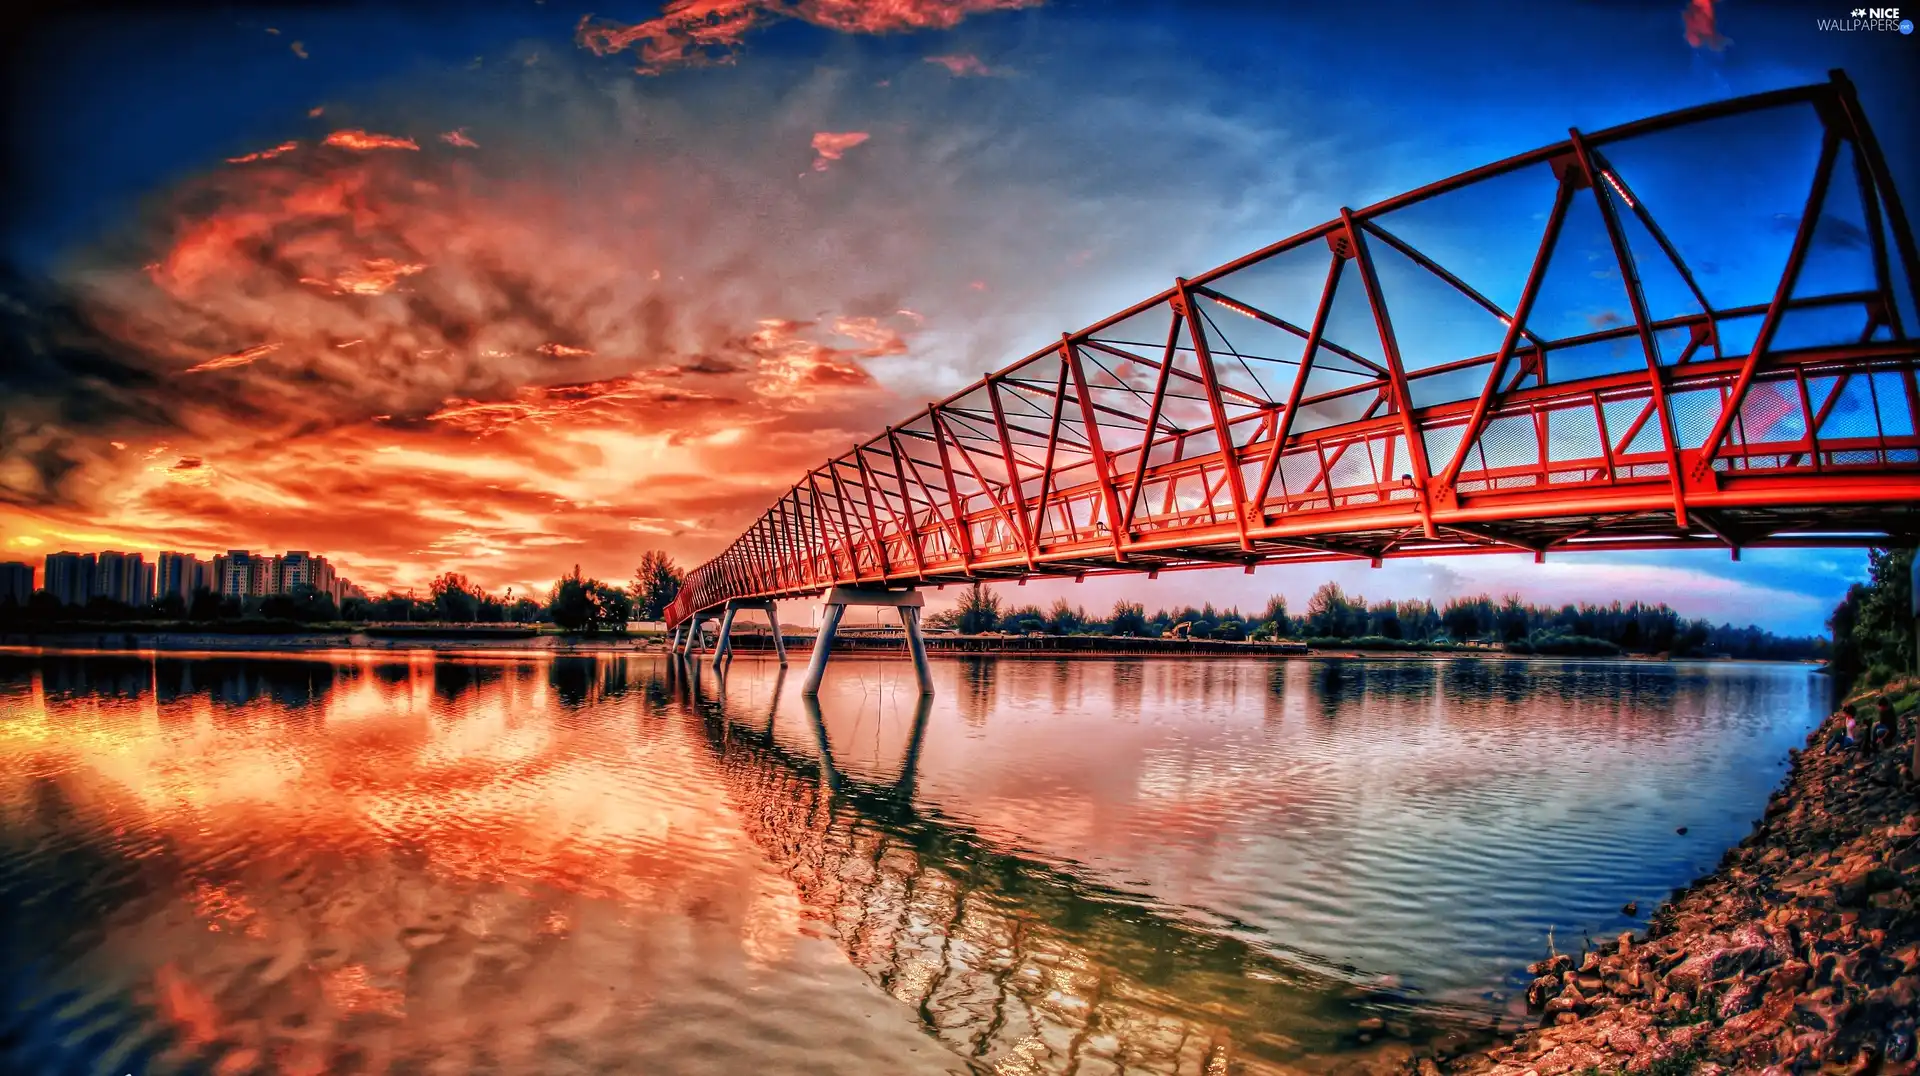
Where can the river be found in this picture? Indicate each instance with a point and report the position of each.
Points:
(379, 862)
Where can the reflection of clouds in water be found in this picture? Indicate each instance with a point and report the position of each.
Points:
(414, 887)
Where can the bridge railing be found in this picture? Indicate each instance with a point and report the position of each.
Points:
(1615, 341)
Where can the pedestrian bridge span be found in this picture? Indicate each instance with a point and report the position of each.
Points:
(1695, 330)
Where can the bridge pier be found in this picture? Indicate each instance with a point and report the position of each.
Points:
(696, 636)
(909, 602)
(723, 644)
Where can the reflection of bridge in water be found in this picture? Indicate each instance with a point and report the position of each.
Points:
(1012, 962)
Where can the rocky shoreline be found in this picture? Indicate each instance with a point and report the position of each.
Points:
(1799, 954)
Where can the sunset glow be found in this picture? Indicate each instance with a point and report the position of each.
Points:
(518, 309)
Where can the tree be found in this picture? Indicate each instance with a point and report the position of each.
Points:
(578, 603)
(1331, 614)
(612, 607)
(312, 605)
(455, 600)
(1064, 619)
(1024, 621)
(979, 610)
(656, 582)
(1129, 618)
(1872, 626)
(1276, 614)
(570, 605)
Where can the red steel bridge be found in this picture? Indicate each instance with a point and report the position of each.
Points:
(1695, 330)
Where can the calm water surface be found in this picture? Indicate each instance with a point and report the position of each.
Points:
(357, 862)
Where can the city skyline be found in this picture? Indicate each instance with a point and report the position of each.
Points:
(75, 578)
(614, 324)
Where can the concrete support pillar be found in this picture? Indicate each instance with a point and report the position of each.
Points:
(779, 644)
(908, 602)
(917, 646)
(673, 638)
(822, 643)
(723, 642)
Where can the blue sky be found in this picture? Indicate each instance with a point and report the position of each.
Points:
(1144, 140)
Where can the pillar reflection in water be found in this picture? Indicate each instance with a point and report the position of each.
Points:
(1010, 961)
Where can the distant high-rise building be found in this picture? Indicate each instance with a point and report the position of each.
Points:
(178, 574)
(299, 568)
(121, 577)
(76, 578)
(70, 577)
(243, 574)
(293, 569)
(16, 582)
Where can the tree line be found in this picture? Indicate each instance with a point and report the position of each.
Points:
(1873, 626)
(1332, 617)
(1871, 634)
(574, 603)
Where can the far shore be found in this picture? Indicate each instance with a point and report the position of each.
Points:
(652, 638)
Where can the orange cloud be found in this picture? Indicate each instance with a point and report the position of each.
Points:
(459, 138)
(699, 32)
(964, 65)
(1701, 26)
(831, 146)
(265, 154)
(237, 358)
(363, 140)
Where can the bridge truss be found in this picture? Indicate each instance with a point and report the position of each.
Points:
(1631, 339)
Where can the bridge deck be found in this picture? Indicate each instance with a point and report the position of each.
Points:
(1649, 361)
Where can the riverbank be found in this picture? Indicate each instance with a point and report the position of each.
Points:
(1800, 953)
(314, 641)
(243, 636)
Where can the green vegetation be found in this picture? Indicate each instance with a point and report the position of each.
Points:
(1334, 619)
(1873, 629)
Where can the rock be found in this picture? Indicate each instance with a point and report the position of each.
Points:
(1540, 990)
(1371, 1024)
(1799, 954)
(1711, 967)
(1632, 907)
(1742, 997)
(1553, 965)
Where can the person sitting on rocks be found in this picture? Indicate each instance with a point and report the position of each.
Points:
(1842, 735)
(1885, 724)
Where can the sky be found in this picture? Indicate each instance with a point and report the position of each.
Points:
(531, 285)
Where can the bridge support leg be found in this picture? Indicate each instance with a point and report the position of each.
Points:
(673, 639)
(917, 646)
(822, 643)
(723, 642)
(779, 644)
(908, 602)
